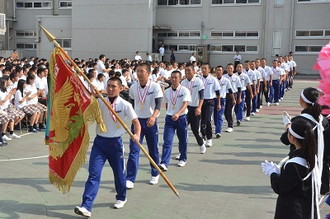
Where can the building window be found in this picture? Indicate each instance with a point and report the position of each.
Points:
(2, 24)
(312, 33)
(187, 47)
(64, 43)
(308, 49)
(191, 34)
(179, 2)
(35, 5)
(238, 2)
(27, 46)
(25, 33)
(65, 4)
(232, 34)
(314, 1)
(232, 48)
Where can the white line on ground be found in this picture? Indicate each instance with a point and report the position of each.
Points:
(24, 158)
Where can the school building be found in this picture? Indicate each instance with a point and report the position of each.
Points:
(215, 29)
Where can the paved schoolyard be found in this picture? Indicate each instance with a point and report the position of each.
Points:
(226, 182)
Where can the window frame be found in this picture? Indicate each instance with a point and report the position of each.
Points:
(62, 7)
(235, 3)
(33, 3)
(308, 49)
(233, 46)
(180, 5)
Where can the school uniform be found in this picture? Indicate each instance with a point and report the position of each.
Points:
(174, 100)
(275, 90)
(239, 108)
(263, 84)
(236, 86)
(144, 106)
(29, 109)
(196, 88)
(285, 69)
(255, 98)
(248, 100)
(108, 146)
(268, 73)
(211, 87)
(12, 112)
(292, 64)
(31, 88)
(294, 187)
(225, 87)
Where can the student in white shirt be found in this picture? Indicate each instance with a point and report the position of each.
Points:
(230, 101)
(292, 72)
(269, 78)
(237, 59)
(196, 88)
(277, 80)
(108, 146)
(211, 91)
(177, 98)
(162, 52)
(147, 97)
(100, 65)
(149, 57)
(192, 58)
(249, 96)
(32, 110)
(225, 87)
(263, 83)
(137, 56)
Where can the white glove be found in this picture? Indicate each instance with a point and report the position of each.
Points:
(269, 168)
(286, 119)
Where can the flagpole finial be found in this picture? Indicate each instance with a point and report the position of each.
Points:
(50, 36)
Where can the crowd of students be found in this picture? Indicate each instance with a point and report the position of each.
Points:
(23, 91)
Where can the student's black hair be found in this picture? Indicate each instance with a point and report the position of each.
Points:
(219, 66)
(40, 70)
(112, 73)
(3, 83)
(155, 70)
(117, 74)
(123, 71)
(116, 79)
(90, 71)
(20, 85)
(99, 76)
(176, 72)
(312, 94)
(90, 75)
(101, 56)
(30, 77)
(247, 61)
(304, 129)
(12, 75)
(146, 66)
(230, 64)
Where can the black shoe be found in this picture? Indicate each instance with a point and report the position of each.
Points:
(31, 129)
(42, 126)
(238, 123)
(218, 135)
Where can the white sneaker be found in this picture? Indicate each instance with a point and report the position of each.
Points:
(154, 180)
(163, 167)
(119, 204)
(202, 149)
(268, 104)
(182, 163)
(257, 110)
(6, 138)
(253, 114)
(129, 184)
(178, 156)
(229, 130)
(260, 106)
(247, 118)
(82, 211)
(217, 135)
(208, 143)
(14, 136)
(276, 104)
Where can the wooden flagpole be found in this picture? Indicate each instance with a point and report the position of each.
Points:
(52, 38)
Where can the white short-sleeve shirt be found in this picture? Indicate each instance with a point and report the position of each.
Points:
(245, 80)
(211, 85)
(31, 88)
(124, 110)
(235, 82)
(19, 97)
(262, 72)
(268, 72)
(194, 86)
(175, 99)
(251, 74)
(100, 66)
(3, 95)
(277, 72)
(144, 98)
(225, 85)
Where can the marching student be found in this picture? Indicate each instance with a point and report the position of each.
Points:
(246, 86)
(147, 97)
(177, 98)
(196, 88)
(292, 72)
(274, 93)
(285, 69)
(249, 96)
(257, 87)
(109, 146)
(263, 83)
(294, 182)
(232, 100)
(211, 91)
(225, 87)
(269, 78)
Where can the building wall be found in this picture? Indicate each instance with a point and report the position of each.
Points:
(117, 28)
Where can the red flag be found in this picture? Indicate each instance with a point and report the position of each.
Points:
(71, 107)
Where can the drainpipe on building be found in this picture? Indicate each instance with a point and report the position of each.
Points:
(291, 25)
(14, 9)
(263, 35)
